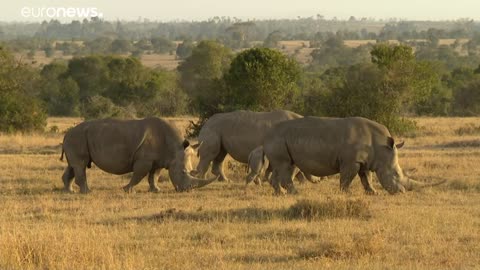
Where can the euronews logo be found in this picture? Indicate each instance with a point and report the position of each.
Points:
(60, 12)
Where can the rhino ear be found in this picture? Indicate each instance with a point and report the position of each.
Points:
(196, 146)
(400, 145)
(185, 144)
(390, 142)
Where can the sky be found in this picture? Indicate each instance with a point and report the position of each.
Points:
(24, 10)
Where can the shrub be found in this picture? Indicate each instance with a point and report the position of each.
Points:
(98, 107)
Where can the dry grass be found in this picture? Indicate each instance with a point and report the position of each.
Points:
(223, 227)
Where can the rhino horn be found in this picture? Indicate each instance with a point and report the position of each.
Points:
(195, 182)
(411, 184)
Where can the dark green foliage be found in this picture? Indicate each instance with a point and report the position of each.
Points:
(184, 49)
(162, 45)
(121, 46)
(60, 95)
(261, 79)
(467, 99)
(385, 90)
(98, 107)
(334, 53)
(19, 109)
(273, 39)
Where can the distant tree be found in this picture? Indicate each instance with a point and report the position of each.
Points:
(384, 90)
(49, 50)
(19, 109)
(261, 79)
(201, 78)
(184, 49)
(99, 45)
(273, 39)
(467, 99)
(208, 62)
(162, 45)
(121, 46)
(60, 95)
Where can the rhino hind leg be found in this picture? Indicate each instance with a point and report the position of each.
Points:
(347, 174)
(67, 178)
(140, 170)
(365, 177)
(81, 179)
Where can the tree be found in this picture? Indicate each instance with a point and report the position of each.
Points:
(467, 98)
(261, 79)
(121, 46)
(385, 90)
(19, 109)
(208, 62)
(184, 49)
(60, 95)
(162, 45)
(273, 39)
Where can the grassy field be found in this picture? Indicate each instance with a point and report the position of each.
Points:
(222, 226)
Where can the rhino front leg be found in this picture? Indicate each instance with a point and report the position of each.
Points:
(282, 179)
(365, 177)
(67, 178)
(347, 173)
(140, 170)
(217, 166)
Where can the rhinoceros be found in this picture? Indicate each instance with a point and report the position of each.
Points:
(326, 146)
(122, 146)
(235, 133)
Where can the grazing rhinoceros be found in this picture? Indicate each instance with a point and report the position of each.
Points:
(326, 146)
(123, 146)
(235, 133)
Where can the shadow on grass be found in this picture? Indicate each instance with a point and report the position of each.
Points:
(308, 210)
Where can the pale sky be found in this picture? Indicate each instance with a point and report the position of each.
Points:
(250, 9)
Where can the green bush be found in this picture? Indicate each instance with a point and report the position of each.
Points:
(19, 109)
(98, 107)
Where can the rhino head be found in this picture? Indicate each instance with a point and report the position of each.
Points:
(390, 174)
(180, 167)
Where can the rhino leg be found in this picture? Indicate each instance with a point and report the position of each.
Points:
(267, 177)
(81, 179)
(140, 170)
(300, 176)
(217, 166)
(282, 179)
(208, 151)
(365, 177)
(67, 178)
(347, 173)
(151, 181)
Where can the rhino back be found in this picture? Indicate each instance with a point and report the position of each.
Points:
(243, 131)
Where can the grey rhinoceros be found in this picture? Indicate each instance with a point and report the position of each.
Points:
(235, 133)
(326, 146)
(123, 146)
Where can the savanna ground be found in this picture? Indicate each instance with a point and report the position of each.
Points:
(223, 227)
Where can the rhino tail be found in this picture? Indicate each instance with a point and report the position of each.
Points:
(63, 151)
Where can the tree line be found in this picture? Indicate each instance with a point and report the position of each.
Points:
(383, 82)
